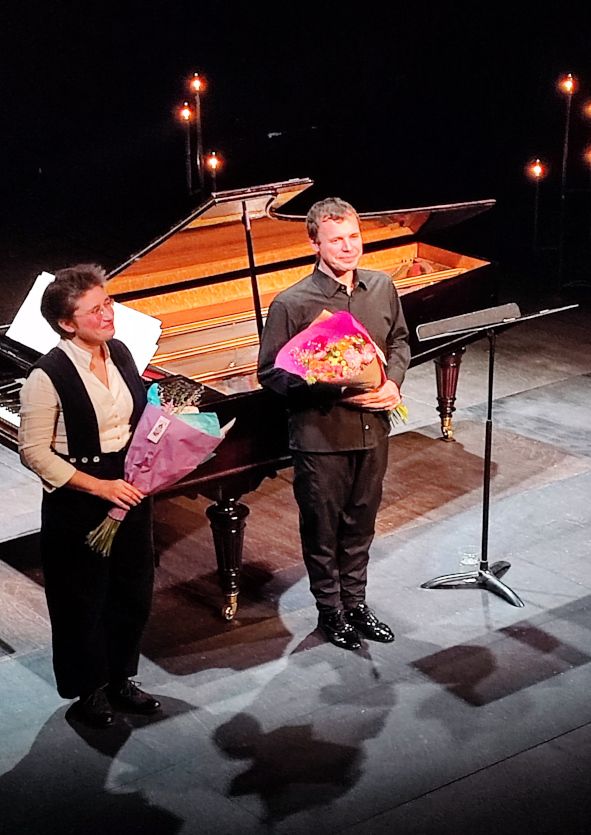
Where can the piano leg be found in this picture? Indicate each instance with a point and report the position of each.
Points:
(447, 370)
(228, 519)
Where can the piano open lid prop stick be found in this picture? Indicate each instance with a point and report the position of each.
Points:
(210, 279)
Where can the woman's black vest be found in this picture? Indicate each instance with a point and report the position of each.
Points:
(80, 421)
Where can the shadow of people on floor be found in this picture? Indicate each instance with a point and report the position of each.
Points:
(65, 783)
(307, 764)
(292, 768)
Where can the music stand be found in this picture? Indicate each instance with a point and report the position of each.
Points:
(490, 320)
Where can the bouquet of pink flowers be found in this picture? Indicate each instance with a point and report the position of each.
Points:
(171, 439)
(336, 348)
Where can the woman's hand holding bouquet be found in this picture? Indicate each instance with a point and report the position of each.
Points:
(119, 492)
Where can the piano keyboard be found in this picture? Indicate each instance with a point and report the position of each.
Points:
(10, 417)
(9, 401)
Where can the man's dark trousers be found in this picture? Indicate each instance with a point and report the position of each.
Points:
(338, 495)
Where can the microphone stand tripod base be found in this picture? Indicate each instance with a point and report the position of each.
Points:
(486, 577)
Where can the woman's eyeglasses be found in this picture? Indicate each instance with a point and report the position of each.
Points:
(99, 310)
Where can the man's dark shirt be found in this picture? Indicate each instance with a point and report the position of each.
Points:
(318, 420)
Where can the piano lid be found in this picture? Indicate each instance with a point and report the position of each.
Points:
(399, 223)
(211, 241)
(210, 244)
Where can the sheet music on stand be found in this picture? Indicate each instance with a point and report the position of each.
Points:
(137, 330)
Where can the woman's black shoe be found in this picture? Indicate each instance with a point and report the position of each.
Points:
(130, 699)
(337, 630)
(364, 620)
(95, 709)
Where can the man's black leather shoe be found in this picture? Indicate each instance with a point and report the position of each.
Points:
(95, 709)
(364, 621)
(130, 699)
(337, 630)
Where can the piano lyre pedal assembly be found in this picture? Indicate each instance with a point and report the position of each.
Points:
(210, 280)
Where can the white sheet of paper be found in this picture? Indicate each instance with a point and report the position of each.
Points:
(138, 331)
(28, 326)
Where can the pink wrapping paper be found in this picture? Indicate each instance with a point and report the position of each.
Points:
(327, 329)
(177, 449)
(152, 466)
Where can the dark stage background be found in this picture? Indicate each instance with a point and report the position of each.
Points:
(387, 105)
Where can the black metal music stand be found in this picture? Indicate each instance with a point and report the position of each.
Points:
(491, 320)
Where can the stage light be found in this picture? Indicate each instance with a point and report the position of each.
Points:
(213, 163)
(568, 84)
(536, 170)
(185, 112)
(197, 83)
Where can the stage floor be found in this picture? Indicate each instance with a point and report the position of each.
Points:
(478, 717)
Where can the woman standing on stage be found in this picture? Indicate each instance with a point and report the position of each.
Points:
(79, 407)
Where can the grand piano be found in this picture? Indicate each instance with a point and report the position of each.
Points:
(210, 280)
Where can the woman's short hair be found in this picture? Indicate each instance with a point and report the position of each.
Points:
(332, 208)
(61, 296)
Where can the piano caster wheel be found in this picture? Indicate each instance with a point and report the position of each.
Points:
(231, 607)
(447, 429)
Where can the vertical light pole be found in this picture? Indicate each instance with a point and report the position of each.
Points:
(586, 111)
(567, 84)
(587, 160)
(213, 165)
(185, 117)
(197, 85)
(536, 170)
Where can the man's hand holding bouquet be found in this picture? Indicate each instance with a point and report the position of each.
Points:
(336, 349)
(386, 397)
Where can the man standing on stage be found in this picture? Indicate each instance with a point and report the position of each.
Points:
(338, 439)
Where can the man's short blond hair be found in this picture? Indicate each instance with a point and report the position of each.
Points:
(331, 208)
